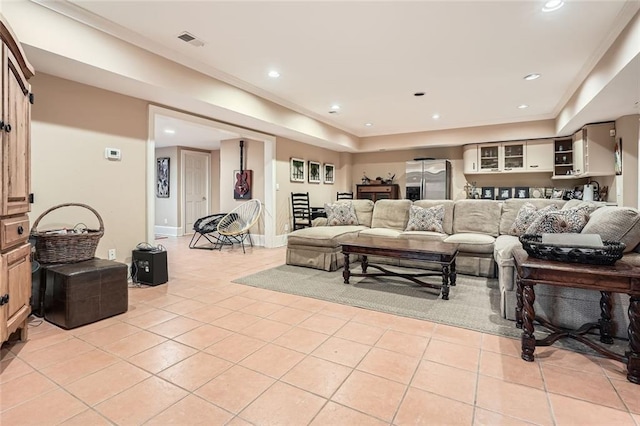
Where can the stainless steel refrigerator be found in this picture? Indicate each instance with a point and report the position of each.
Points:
(428, 180)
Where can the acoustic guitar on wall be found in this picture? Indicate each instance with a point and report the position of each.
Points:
(242, 187)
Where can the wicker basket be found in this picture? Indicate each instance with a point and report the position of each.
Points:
(607, 255)
(66, 248)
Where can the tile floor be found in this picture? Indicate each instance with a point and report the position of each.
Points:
(202, 350)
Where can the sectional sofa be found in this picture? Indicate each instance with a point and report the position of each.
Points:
(482, 229)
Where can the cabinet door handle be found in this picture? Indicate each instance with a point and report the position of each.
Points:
(495, 170)
(1, 124)
(20, 230)
(474, 166)
(4, 299)
(507, 169)
(7, 128)
(533, 166)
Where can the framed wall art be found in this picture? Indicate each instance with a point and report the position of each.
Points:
(314, 172)
(329, 173)
(521, 192)
(162, 177)
(504, 193)
(296, 167)
(488, 193)
(618, 157)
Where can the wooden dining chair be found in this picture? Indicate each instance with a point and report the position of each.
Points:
(344, 196)
(301, 210)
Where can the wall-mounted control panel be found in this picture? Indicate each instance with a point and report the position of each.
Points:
(113, 154)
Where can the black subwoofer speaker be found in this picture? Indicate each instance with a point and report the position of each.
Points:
(149, 267)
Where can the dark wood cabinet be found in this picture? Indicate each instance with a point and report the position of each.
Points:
(378, 192)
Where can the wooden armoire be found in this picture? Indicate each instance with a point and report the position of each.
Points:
(15, 159)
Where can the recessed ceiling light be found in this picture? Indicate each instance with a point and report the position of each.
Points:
(368, 124)
(552, 5)
(274, 74)
(533, 76)
(523, 106)
(435, 116)
(418, 94)
(335, 107)
(169, 131)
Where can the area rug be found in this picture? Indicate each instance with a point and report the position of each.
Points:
(474, 303)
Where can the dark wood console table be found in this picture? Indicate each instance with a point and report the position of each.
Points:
(619, 278)
(375, 192)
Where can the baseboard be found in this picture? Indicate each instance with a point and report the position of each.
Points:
(280, 240)
(171, 231)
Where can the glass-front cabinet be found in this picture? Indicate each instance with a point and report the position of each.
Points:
(502, 157)
(514, 155)
(489, 158)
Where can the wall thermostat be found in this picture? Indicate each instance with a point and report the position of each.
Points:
(112, 154)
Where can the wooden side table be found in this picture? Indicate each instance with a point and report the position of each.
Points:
(619, 278)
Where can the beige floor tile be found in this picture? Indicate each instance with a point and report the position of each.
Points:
(24, 388)
(175, 327)
(457, 335)
(261, 309)
(236, 302)
(424, 408)
(185, 306)
(77, 367)
(266, 330)
(284, 299)
(413, 326)
(203, 336)
(337, 415)
(613, 369)
(310, 304)
(390, 365)
(195, 371)
(407, 344)
(37, 343)
(453, 354)
(235, 388)
(630, 394)
(87, 417)
(236, 321)
(484, 417)
(339, 311)
(46, 409)
(283, 404)
(371, 395)
(378, 319)
(521, 402)
(289, 315)
(564, 358)
(107, 382)
(446, 381)
(208, 314)
(162, 356)
(342, 351)
(361, 333)
(573, 411)
(192, 410)
(134, 344)
(322, 323)
(165, 300)
(235, 348)
(94, 326)
(56, 353)
(272, 360)
(511, 369)
(301, 340)
(501, 345)
(110, 334)
(150, 318)
(135, 406)
(317, 376)
(13, 367)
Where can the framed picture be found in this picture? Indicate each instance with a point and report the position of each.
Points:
(577, 193)
(548, 193)
(521, 192)
(314, 172)
(488, 193)
(504, 193)
(296, 167)
(162, 177)
(618, 157)
(557, 194)
(329, 173)
(536, 193)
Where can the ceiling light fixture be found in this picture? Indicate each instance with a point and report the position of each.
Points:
(533, 76)
(368, 124)
(335, 107)
(435, 116)
(274, 74)
(552, 5)
(169, 131)
(523, 106)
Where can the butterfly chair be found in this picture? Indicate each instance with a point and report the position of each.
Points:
(207, 228)
(300, 210)
(344, 196)
(234, 227)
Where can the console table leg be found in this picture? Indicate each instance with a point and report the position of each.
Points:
(633, 356)
(518, 303)
(605, 317)
(528, 315)
(445, 282)
(365, 264)
(346, 273)
(453, 274)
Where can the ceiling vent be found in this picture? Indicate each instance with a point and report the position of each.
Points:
(191, 39)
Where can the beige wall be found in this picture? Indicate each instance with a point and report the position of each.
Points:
(215, 182)
(167, 209)
(72, 124)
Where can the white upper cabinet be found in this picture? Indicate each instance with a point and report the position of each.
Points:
(470, 158)
(539, 155)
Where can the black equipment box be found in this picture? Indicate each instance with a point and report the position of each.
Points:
(81, 293)
(149, 267)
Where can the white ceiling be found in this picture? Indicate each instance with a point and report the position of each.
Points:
(171, 131)
(469, 57)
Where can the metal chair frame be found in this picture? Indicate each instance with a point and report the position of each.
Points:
(234, 228)
(206, 227)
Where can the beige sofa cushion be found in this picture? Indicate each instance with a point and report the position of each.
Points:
(512, 206)
(423, 235)
(472, 242)
(477, 216)
(503, 249)
(380, 232)
(322, 236)
(392, 214)
(615, 224)
(447, 222)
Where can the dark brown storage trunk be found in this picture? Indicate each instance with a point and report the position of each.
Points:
(81, 293)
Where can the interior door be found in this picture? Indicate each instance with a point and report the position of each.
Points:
(196, 187)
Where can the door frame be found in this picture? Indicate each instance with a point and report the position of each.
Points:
(183, 186)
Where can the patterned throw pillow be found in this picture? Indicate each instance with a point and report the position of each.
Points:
(426, 219)
(340, 214)
(559, 221)
(527, 214)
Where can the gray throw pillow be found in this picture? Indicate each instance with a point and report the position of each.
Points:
(559, 221)
(619, 224)
(426, 219)
(341, 214)
(527, 214)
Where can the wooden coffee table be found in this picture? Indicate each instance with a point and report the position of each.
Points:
(621, 277)
(407, 249)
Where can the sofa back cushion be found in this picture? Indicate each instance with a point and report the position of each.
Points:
(392, 214)
(364, 210)
(615, 224)
(512, 206)
(479, 216)
(447, 222)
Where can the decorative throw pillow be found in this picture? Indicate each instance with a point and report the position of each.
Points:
(340, 214)
(527, 214)
(559, 221)
(426, 219)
